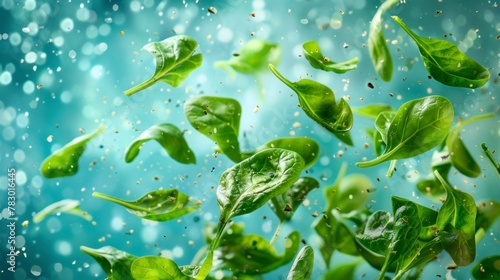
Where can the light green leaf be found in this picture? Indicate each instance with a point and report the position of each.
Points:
(68, 206)
(115, 263)
(446, 63)
(302, 267)
(64, 162)
(373, 110)
(156, 268)
(159, 205)
(175, 60)
(169, 137)
(313, 54)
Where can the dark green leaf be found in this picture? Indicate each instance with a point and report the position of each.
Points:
(317, 60)
(174, 61)
(487, 268)
(378, 232)
(417, 127)
(488, 212)
(218, 118)
(456, 223)
(68, 206)
(490, 157)
(64, 162)
(379, 52)
(115, 263)
(170, 138)
(302, 267)
(318, 102)
(253, 57)
(294, 197)
(156, 268)
(252, 254)
(305, 147)
(446, 63)
(343, 271)
(373, 110)
(159, 205)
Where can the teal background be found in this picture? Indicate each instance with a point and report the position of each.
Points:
(83, 68)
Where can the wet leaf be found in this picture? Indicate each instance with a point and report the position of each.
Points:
(313, 54)
(294, 197)
(68, 206)
(302, 267)
(115, 263)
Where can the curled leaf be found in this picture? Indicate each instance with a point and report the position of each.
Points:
(68, 206)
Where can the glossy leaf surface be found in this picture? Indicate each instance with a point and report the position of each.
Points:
(115, 263)
(294, 197)
(68, 206)
(313, 54)
(156, 268)
(302, 267)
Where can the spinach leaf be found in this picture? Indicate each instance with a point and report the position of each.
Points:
(379, 52)
(418, 126)
(317, 60)
(446, 63)
(343, 271)
(351, 193)
(373, 110)
(307, 148)
(490, 157)
(115, 263)
(253, 57)
(156, 268)
(175, 60)
(64, 162)
(456, 224)
(248, 185)
(378, 143)
(159, 205)
(68, 206)
(302, 267)
(252, 254)
(292, 198)
(487, 268)
(460, 157)
(488, 211)
(318, 102)
(378, 232)
(218, 118)
(170, 138)
(430, 186)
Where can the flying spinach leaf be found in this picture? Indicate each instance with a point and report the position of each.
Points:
(460, 157)
(302, 267)
(156, 268)
(343, 271)
(159, 205)
(170, 138)
(292, 198)
(68, 206)
(456, 224)
(248, 185)
(379, 52)
(418, 126)
(488, 211)
(487, 268)
(307, 148)
(378, 143)
(351, 193)
(252, 254)
(175, 60)
(253, 57)
(446, 63)
(317, 60)
(430, 186)
(373, 110)
(64, 162)
(115, 263)
(218, 118)
(490, 157)
(318, 102)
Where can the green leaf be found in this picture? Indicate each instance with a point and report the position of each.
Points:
(343, 271)
(456, 224)
(446, 63)
(318, 102)
(157, 268)
(64, 162)
(218, 118)
(302, 267)
(460, 157)
(373, 110)
(379, 52)
(175, 60)
(68, 206)
(170, 138)
(253, 57)
(307, 148)
(378, 232)
(487, 268)
(248, 185)
(378, 143)
(252, 254)
(418, 126)
(159, 205)
(490, 157)
(488, 211)
(352, 193)
(383, 123)
(430, 186)
(190, 270)
(293, 198)
(115, 263)
(313, 54)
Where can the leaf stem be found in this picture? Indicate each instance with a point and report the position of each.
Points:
(392, 168)
(206, 267)
(281, 77)
(123, 203)
(489, 155)
(139, 87)
(277, 232)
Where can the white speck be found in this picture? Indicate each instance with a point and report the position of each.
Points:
(15, 39)
(36, 270)
(67, 25)
(225, 35)
(64, 248)
(30, 57)
(28, 87)
(25, 30)
(72, 54)
(96, 71)
(5, 78)
(30, 5)
(177, 252)
(117, 223)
